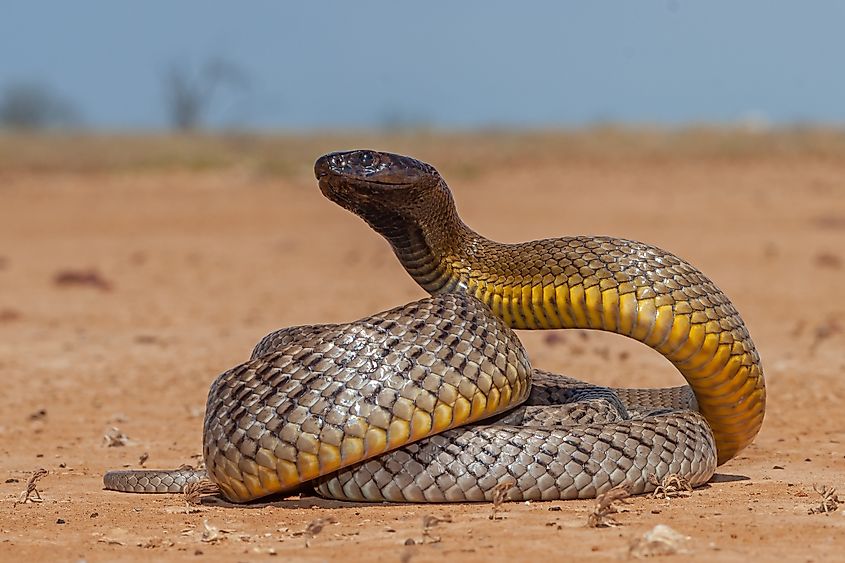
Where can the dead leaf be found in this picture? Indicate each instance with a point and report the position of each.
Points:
(828, 260)
(81, 278)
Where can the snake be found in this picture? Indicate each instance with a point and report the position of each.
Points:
(436, 400)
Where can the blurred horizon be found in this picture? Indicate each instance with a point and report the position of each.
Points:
(265, 66)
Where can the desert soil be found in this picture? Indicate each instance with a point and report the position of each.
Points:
(124, 290)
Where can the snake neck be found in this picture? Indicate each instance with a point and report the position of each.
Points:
(430, 240)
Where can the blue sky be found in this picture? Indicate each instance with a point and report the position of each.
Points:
(348, 64)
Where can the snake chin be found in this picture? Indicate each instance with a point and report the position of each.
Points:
(341, 195)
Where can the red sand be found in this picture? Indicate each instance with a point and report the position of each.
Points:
(172, 276)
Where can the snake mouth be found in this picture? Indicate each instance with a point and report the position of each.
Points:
(389, 184)
(330, 176)
(337, 190)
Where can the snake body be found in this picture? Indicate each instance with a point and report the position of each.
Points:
(376, 409)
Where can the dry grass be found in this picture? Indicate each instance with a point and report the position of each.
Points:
(673, 485)
(429, 522)
(194, 491)
(500, 491)
(313, 529)
(830, 500)
(828, 328)
(30, 493)
(287, 155)
(601, 516)
(114, 438)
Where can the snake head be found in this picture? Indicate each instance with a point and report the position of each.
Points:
(363, 180)
(369, 168)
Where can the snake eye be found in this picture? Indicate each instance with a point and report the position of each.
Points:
(368, 160)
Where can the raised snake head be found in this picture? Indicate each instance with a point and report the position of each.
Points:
(382, 188)
(365, 170)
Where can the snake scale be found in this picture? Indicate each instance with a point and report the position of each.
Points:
(437, 401)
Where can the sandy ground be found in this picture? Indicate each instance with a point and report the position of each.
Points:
(124, 292)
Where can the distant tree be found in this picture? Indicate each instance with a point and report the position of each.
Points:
(30, 105)
(393, 118)
(188, 94)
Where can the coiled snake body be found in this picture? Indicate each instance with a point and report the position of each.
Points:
(375, 409)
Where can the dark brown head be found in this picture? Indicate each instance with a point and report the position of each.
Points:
(382, 188)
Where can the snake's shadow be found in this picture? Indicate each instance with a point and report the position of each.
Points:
(311, 501)
(278, 501)
(728, 478)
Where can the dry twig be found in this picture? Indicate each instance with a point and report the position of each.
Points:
(114, 437)
(198, 459)
(600, 517)
(499, 493)
(40, 414)
(315, 527)
(31, 494)
(830, 500)
(673, 485)
(828, 328)
(195, 490)
(429, 522)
